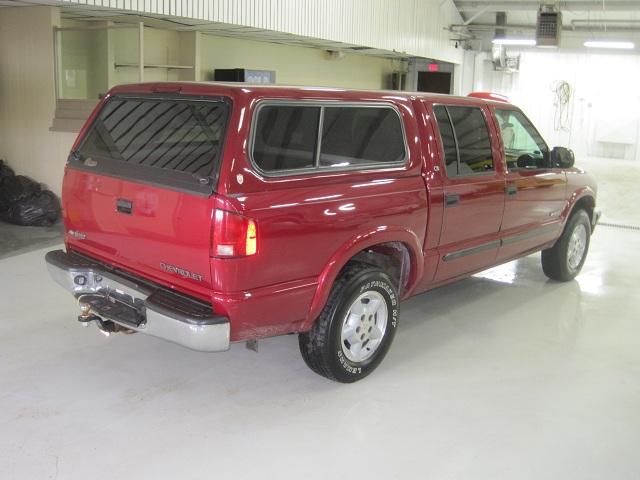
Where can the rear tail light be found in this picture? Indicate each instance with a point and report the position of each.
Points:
(233, 235)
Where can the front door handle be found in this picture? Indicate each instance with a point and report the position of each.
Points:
(512, 189)
(451, 200)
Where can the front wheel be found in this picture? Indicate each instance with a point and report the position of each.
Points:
(565, 259)
(356, 327)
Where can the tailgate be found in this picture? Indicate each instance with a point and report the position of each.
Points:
(138, 190)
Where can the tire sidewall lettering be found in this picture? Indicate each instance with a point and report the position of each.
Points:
(346, 365)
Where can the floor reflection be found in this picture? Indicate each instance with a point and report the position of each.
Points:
(514, 301)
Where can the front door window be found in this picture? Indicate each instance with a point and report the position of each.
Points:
(523, 146)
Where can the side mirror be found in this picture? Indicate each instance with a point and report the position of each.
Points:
(562, 157)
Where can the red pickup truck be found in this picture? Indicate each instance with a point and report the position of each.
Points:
(206, 214)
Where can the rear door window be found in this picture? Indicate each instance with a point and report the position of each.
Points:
(448, 139)
(471, 138)
(174, 142)
(292, 138)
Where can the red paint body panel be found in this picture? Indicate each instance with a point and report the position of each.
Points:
(164, 225)
(489, 96)
(481, 197)
(310, 225)
(541, 197)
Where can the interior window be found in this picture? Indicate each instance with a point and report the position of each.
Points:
(523, 146)
(286, 137)
(474, 145)
(448, 139)
(360, 135)
(465, 139)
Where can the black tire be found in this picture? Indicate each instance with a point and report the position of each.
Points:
(322, 347)
(555, 260)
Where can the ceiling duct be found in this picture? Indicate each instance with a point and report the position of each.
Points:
(502, 62)
(501, 21)
(548, 27)
(498, 52)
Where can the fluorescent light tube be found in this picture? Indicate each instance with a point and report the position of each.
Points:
(514, 41)
(609, 44)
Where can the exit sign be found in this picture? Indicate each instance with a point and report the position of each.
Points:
(433, 67)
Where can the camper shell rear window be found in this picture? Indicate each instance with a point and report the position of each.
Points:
(168, 141)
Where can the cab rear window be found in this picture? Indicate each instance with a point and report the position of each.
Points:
(177, 142)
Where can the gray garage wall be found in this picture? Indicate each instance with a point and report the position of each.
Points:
(27, 95)
(602, 117)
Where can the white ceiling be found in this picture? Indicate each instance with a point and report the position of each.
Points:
(581, 15)
(89, 14)
(578, 14)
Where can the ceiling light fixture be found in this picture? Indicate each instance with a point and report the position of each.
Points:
(609, 44)
(530, 42)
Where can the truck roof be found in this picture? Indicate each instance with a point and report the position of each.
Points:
(261, 90)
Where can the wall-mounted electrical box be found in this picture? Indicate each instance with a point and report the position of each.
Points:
(244, 75)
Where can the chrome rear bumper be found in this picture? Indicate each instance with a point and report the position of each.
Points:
(140, 306)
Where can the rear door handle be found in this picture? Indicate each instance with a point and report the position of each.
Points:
(451, 200)
(512, 189)
(124, 206)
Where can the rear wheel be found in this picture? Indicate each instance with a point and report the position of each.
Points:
(565, 259)
(356, 327)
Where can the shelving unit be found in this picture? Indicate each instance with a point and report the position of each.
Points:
(95, 57)
(168, 67)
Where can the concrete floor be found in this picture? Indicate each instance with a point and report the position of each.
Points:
(504, 375)
(16, 239)
(618, 192)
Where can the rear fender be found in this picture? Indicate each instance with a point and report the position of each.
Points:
(356, 244)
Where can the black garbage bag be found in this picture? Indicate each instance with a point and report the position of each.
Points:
(40, 210)
(5, 170)
(16, 188)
